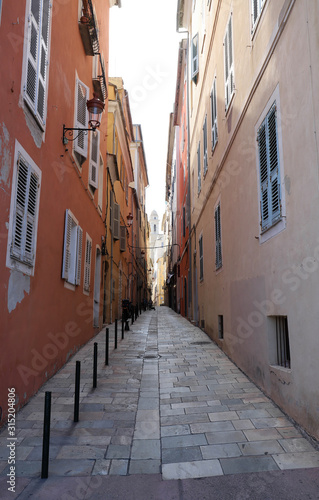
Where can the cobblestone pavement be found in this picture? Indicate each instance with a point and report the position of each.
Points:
(169, 402)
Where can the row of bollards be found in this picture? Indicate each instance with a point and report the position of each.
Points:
(47, 400)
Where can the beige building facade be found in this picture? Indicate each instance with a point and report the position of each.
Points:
(254, 165)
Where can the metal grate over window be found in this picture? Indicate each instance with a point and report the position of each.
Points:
(282, 342)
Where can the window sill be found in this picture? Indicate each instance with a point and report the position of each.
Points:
(69, 286)
(272, 231)
(281, 373)
(230, 104)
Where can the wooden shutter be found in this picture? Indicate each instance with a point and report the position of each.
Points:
(37, 58)
(270, 196)
(81, 118)
(274, 165)
(111, 211)
(123, 239)
(195, 62)
(218, 241)
(79, 255)
(67, 245)
(199, 177)
(213, 104)
(94, 159)
(201, 259)
(229, 63)
(87, 264)
(25, 213)
(205, 156)
(116, 222)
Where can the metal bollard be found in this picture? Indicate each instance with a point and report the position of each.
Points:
(95, 366)
(115, 335)
(107, 346)
(77, 391)
(46, 436)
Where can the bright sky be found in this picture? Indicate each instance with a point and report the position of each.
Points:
(143, 51)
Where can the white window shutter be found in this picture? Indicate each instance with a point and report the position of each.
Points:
(229, 63)
(195, 61)
(94, 159)
(79, 255)
(67, 245)
(199, 175)
(116, 222)
(205, 156)
(81, 118)
(25, 213)
(214, 115)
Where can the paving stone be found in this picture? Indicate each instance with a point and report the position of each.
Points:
(223, 415)
(183, 441)
(147, 430)
(247, 464)
(101, 467)
(118, 451)
(146, 449)
(263, 423)
(296, 445)
(225, 437)
(118, 467)
(176, 455)
(262, 434)
(304, 460)
(175, 430)
(80, 452)
(220, 451)
(260, 447)
(144, 467)
(189, 470)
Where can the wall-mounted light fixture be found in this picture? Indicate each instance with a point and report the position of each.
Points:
(129, 219)
(95, 108)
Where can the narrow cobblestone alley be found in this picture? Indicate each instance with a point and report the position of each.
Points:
(169, 406)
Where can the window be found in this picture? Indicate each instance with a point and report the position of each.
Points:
(24, 210)
(218, 238)
(122, 238)
(94, 159)
(195, 62)
(72, 250)
(256, 8)
(37, 61)
(154, 228)
(205, 156)
(184, 222)
(229, 63)
(0, 9)
(87, 263)
(213, 107)
(81, 121)
(201, 259)
(199, 174)
(220, 326)
(279, 341)
(269, 173)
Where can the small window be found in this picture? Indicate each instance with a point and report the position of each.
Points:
(220, 326)
(201, 259)
(72, 250)
(199, 174)
(279, 341)
(195, 61)
(24, 212)
(213, 107)
(218, 238)
(205, 156)
(116, 221)
(229, 63)
(100, 181)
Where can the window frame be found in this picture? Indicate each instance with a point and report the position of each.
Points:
(23, 263)
(94, 166)
(80, 150)
(195, 58)
(87, 264)
(260, 4)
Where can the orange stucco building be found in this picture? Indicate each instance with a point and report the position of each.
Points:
(53, 196)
